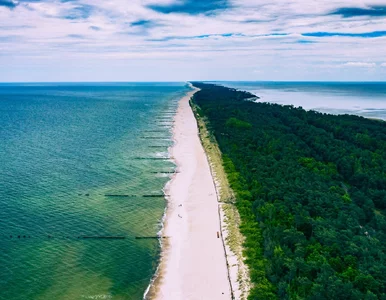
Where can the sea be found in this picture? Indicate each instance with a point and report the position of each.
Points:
(367, 99)
(82, 174)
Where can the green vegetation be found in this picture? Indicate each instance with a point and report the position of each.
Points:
(311, 193)
(236, 123)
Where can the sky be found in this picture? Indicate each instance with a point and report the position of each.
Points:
(181, 40)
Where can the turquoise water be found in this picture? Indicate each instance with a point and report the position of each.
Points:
(366, 99)
(64, 149)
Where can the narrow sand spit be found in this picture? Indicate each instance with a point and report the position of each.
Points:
(193, 264)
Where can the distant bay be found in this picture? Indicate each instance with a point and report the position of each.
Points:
(367, 99)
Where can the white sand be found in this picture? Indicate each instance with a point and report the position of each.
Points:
(193, 264)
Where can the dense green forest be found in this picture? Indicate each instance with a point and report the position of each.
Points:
(311, 192)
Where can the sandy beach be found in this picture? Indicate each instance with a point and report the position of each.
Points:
(193, 264)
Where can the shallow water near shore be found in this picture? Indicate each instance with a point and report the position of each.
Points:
(76, 160)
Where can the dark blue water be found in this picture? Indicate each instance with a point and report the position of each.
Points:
(64, 148)
(366, 99)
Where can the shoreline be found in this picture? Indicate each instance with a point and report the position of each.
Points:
(193, 263)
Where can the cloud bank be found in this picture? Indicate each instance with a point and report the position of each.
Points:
(360, 64)
(84, 40)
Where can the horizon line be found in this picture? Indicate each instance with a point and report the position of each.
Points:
(189, 81)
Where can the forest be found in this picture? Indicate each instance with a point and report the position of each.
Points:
(311, 193)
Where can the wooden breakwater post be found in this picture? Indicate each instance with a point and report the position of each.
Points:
(161, 138)
(103, 237)
(135, 196)
(154, 158)
(150, 237)
(165, 172)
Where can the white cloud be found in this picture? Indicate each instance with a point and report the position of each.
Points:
(360, 64)
(42, 31)
(383, 65)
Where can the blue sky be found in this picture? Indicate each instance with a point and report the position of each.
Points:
(178, 40)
